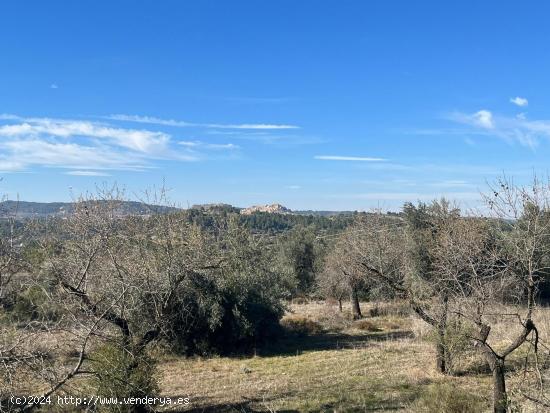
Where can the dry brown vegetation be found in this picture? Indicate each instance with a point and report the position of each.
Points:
(382, 363)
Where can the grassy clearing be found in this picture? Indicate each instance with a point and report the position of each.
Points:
(375, 364)
(330, 363)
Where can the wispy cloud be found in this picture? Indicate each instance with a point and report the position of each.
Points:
(178, 123)
(451, 183)
(190, 144)
(19, 154)
(481, 119)
(81, 145)
(54, 86)
(87, 173)
(348, 158)
(221, 146)
(138, 140)
(519, 101)
(205, 145)
(518, 129)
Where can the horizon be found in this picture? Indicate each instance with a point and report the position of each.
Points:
(318, 107)
(177, 206)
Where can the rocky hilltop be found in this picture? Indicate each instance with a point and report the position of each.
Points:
(272, 209)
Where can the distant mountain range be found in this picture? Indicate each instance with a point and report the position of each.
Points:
(25, 209)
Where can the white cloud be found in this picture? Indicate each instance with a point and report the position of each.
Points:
(81, 145)
(483, 118)
(199, 144)
(519, 101)
(139, 140)
(149, 119)
(294, 187)
(67, 155)
(348, 158)
(87, 173)
(10, 165)
(222, 146)
(518, 129)
(177, 123)
(54, 86)
(262, 126)
(190, 144)
(451, 183)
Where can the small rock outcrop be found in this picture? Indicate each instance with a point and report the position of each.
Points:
(271, 209)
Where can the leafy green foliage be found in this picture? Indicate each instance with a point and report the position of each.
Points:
(230, 305)
(300, 256)
(32, 304)
(119, 373)
(274, 223)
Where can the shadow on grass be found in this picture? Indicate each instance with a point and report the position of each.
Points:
(295, 344)
(240, 407)
(481, 368)
(254, 405)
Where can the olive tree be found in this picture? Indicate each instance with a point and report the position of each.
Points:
(134, 280)
(341, 276)
(398, 252)
(490, 269)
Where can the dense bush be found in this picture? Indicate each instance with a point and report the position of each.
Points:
(222, 322)
(119, 373)
(457, 341)
(33, 304)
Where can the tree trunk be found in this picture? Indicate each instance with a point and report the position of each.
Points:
(442, 353)
(441, 356)
(500, 398)
(355, 308)
(340, 304)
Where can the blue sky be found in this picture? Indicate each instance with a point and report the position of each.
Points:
(316, 105)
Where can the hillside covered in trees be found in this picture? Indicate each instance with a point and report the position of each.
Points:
(106, 302)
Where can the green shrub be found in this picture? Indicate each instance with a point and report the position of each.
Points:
(118, 373)
(221, 321)
(34, 304)
(233, 308)
(457, 342)
(448, 398)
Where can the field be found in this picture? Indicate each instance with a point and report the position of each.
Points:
(383, 363)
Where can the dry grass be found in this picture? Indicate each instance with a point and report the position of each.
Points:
(301, 325)
(383, 363)
(383, 376)
(375, 364)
